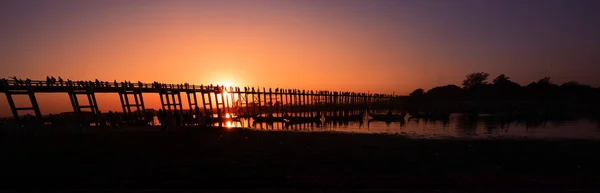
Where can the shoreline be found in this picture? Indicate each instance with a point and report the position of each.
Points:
(54, 132)
(218, 158)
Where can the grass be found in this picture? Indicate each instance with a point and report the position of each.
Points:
(218, 158)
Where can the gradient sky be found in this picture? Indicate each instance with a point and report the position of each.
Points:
(356, 45)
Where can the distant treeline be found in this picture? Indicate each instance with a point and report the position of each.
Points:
(502, 94)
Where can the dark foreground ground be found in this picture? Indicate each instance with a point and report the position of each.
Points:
(243, 159)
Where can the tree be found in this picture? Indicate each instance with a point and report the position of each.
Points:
(475, 79)
(448, 92)
(417, 93)
(502, 79)
(544, 81)
(505, 89)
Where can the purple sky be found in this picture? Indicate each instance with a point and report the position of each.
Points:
(406, 44)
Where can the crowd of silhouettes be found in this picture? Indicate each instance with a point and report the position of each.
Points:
(169, 118)
(166, 118)
(52, 81)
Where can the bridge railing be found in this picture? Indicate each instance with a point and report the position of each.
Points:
(81, 84)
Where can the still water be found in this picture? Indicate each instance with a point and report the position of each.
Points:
(456, 127)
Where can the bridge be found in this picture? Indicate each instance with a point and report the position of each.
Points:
(235, 101)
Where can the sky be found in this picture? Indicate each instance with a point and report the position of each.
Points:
(380, 46)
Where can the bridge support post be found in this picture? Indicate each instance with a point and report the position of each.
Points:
(93, 105)
(207, 106)
(12, 105)
(126, 105)
(34, 104)
(164, 100)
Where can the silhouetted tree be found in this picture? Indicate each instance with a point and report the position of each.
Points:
(542, 91)
(576, 93)
(418, 93)
(444, 98)
(505, 89)
(475, 79)
(544, 81)
(448, 92)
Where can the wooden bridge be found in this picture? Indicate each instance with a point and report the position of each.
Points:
(234, 101)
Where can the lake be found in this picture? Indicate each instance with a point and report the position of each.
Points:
(456, 127)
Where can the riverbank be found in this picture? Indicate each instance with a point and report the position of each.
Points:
(220, 158)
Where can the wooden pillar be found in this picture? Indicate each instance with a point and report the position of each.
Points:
(89, 96)
(202, 92)
(127, 101)
(73, 99)
(265, 106)
(141, 102)
(189, 99)
(291, 104)
(303, 97)
(120, 97)
(287, 100)
(34, 104)
(95, 103)
(297, 95)
(280, 102)
(12, 105)
(225, 96)
(173, 101)
(216, 101)
(179, 99)
(335, 98)
(168, 101)
(137, 104)
(246, 109)
(259, 102)
(162, 101)
(271, 100)
(223, 101)
(238, 102)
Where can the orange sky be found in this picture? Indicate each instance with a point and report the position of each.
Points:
(174, 42)
(363, 46)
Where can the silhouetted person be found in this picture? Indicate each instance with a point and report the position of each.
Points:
(48, 80)
(199, 116)
(149, 118)
(60, 80)
(162, 119)
(177, 116)
(53, 80)
(220, 113)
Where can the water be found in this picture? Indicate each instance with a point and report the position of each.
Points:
(455, 128)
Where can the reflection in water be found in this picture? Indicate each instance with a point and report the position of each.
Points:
(455, 127)
(466, 127)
